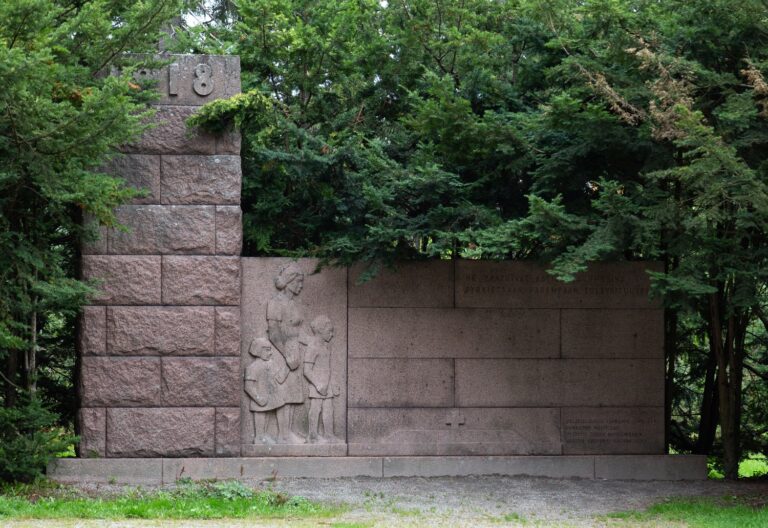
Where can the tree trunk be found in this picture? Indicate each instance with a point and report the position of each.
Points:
(31, 362)
(709, 404)
(737, 377)
(724, 351)
(670, 349)
(11, 370)
(728, 419)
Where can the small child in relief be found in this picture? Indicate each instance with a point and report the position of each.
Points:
(263, 378)
(317, 370)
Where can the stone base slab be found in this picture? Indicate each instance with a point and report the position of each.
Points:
(293, 450)
(147, 471)
(441, 449)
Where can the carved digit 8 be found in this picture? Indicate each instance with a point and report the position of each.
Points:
(203, 84)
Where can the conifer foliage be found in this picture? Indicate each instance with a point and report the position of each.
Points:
(61, 116)
(561, 131)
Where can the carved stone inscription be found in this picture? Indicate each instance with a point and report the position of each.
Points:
(293, 370)
(528, 285)
(203, 83)
(454, 431)
(193, 79)
(613, 430)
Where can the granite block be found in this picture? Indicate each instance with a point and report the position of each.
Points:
(146, 472)
(459, 466)
(453, 333)
(194, 79)
(613, 333)
(201, 280)
(648, 467)
(161, 330)
(466, 431)
(227, 331)
(229, 142)
(124, 279)
(567, 382)
(520, 284)
(140, 171)
(158, 229)
(160, 432)
(92, 331)
(228, 432)
(509, 383)
(199, 382)
(311, 449)
(120, 382)
(201, 180)
(413, 284)
(170, 135)
(613, 430)
(94, 238)
(270, 468)
(400, 382)
(92, 432)
(322, 293)
(229, 230)
(614, 382)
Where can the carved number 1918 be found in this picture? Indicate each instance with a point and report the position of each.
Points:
(203, 84)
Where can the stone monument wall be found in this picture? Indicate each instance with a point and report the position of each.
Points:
(160, 347)
(441, 358)
(466, 358)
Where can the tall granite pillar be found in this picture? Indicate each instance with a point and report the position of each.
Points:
(160, 346)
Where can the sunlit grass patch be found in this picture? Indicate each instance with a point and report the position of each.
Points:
(754, 465)
(699, 513)
(189, 500)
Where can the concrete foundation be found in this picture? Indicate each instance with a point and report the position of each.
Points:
(158, 471)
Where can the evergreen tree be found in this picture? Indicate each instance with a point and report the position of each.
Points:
(61, 117)
(561, 131)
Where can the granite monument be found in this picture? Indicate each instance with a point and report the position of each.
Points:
(198, 362)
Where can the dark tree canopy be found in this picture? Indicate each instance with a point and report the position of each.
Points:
(61, 117)
(567, 132)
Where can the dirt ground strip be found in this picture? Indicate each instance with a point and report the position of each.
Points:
(461, 502)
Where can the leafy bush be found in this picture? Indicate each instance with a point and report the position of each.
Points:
(28, 440)
(230, 490)
(226, 489)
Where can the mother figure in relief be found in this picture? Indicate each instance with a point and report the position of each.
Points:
(284, 321)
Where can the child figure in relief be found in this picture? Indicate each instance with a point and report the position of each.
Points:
(317, 370)
(263, 378)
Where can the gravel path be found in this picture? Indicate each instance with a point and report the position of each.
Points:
(460, 502)
(466, 501)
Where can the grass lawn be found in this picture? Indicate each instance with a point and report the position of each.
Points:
(702, 513)
(232, 500)
(198, 500)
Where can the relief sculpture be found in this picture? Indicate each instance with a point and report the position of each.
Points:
(317, 370)
(284, 320)
(263, 383)
(291, 367)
